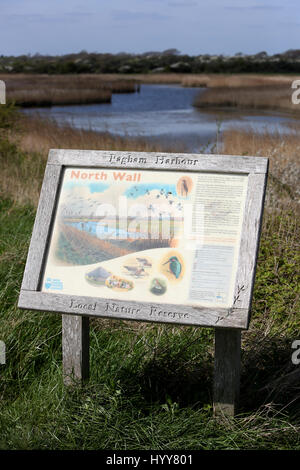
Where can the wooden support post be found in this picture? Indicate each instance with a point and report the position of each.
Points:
(75, 348)
(227, 371)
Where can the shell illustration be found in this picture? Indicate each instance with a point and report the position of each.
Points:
(98, 276)
(119, 283)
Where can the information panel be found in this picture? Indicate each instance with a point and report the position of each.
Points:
(125, 241)
(171, 237)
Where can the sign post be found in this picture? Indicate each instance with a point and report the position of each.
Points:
(75, 348)
(157, 237)
(227, 371)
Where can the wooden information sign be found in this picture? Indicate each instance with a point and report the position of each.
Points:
(157, 237)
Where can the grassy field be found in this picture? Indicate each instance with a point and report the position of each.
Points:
(150, 385)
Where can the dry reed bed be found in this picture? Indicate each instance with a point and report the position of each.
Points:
(248, 92)
(155, 78)
(47, 90)
(264, 97)
(56, 96)
(249, 81)
(212, 80)
(283, 153)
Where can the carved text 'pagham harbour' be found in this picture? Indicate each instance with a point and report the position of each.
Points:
(159, 160)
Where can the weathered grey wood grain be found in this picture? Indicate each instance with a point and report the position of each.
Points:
(159, 161)
(41, 230)
(119, 309)
(75, 348)
(2, 92)
(226, 372)
(250, 240)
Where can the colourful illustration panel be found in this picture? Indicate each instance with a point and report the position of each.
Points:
(157, 236)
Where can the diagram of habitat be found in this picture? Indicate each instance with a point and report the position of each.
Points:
(118, 231)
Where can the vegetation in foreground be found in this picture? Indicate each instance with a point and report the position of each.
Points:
(150, 385)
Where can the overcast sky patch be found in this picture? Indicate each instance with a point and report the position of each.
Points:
(126, 15)
(192, 26)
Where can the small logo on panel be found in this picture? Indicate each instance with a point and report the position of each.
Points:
(54, 284)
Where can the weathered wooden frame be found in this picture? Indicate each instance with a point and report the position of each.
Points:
(238, 316)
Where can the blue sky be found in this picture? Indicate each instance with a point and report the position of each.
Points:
(191, 26)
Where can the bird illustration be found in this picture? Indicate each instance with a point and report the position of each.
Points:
(174, 265)
(156, 284)
(184, 188)
(158, 287)
(144, 262)
(136, 271)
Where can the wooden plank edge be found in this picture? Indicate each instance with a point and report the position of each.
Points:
(61, 157)
(235, 318)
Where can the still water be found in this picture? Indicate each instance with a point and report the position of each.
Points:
(104, 231)
(163, 113)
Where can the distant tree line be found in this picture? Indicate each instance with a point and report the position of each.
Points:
(152, 62)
